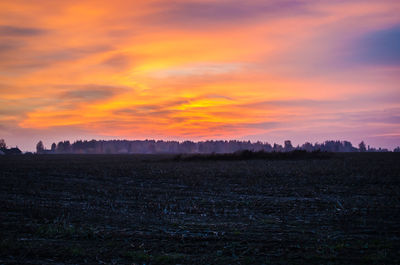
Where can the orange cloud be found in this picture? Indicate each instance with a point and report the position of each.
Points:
(195, 69)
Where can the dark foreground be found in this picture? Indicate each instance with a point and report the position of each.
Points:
(70, 209)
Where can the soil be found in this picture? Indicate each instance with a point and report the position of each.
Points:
(154, 209)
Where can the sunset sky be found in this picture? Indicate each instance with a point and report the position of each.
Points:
(302, 70)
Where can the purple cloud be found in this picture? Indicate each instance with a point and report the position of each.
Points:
(199, 13)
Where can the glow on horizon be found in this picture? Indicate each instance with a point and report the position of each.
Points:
(198, 70)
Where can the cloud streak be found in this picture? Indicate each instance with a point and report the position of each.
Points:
(12, 31)
(198, 13)
(201, 69)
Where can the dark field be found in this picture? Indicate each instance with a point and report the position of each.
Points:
(125, 209)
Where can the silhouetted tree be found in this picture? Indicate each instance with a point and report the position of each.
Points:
(288, 146)
(3, 144)
(307, 147)
(64, 147)
(361, 147)
(277, 148)
(53, 147)
(39, 147)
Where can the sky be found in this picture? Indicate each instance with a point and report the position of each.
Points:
(272, 70)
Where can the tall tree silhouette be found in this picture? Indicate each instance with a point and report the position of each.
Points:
(3, 144)
(39, 147)
(53, 147)
(361, 147)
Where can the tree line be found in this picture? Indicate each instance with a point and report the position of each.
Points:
(189, 147)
